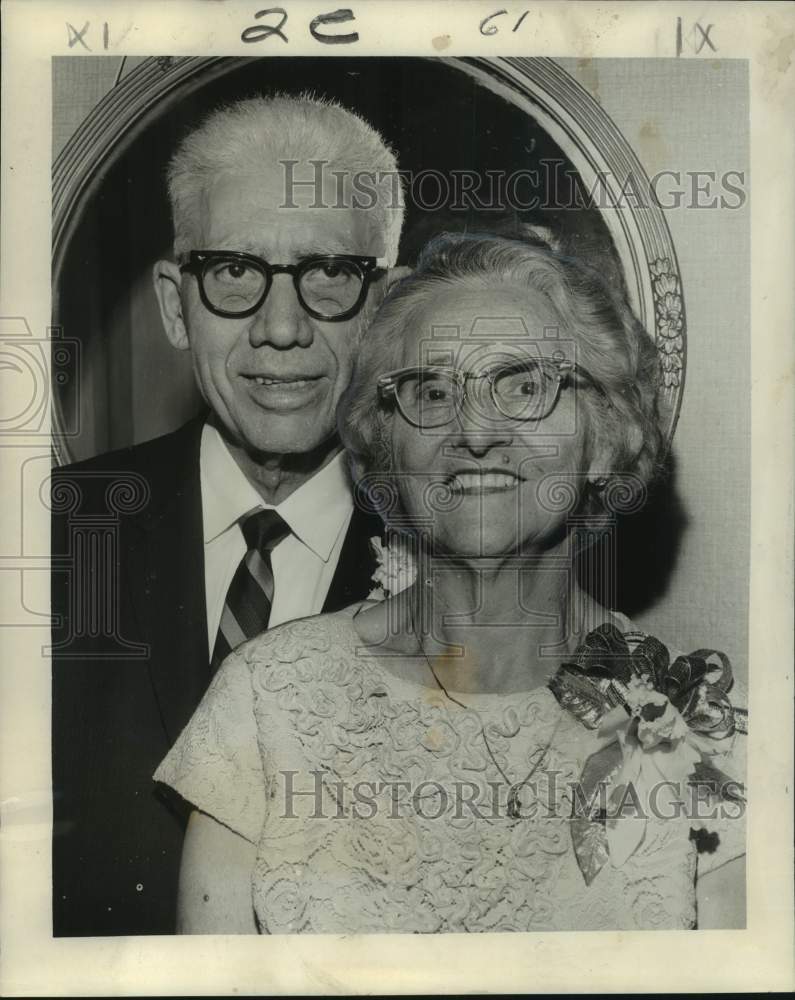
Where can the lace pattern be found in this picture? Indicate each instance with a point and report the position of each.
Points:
(301, 747)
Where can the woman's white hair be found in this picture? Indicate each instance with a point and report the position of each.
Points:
(260, 132)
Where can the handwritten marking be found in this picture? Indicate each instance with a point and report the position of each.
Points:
(705, 39)
(76, 36)
(335, 17)
(516, 26)
(691, 39)
(100, 35)
(259, 32)
(492, 28)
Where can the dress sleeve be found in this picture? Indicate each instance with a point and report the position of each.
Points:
(215, 763)
(721, 838)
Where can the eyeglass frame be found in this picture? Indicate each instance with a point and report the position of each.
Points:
(367, 266)
(388, 384)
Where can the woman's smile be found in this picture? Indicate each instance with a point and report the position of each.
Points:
(481, 481)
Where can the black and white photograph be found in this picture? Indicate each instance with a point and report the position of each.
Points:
(400, 450)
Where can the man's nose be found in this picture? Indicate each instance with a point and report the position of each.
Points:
(281, 321)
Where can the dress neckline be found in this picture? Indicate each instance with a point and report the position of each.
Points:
(430, 690)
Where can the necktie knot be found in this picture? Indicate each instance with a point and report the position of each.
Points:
(264, 530)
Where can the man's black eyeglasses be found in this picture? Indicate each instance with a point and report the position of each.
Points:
(329, 287)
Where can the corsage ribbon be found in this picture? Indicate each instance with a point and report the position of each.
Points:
(657, 724)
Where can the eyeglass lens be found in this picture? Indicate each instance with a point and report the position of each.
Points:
(432, 398)
(330, 287)
(326, 287)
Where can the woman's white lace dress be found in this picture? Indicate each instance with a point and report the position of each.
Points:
(376, 806)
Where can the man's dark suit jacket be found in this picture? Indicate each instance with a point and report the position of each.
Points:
(130, 664)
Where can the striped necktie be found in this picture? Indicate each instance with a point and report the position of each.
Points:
(249, 599)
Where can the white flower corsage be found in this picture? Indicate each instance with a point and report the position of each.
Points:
(396, 566)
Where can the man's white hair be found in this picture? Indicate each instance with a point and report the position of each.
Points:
(259, 132)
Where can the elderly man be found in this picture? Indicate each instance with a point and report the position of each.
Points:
(249, 520)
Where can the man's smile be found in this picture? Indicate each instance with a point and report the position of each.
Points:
(284, 392)
(282, 380)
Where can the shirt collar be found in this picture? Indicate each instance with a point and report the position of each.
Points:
(316, 512)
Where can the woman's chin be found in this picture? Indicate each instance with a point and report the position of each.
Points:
(479, 538)
(470, 547)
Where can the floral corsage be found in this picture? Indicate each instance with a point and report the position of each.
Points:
(658, 724)
(396, 566)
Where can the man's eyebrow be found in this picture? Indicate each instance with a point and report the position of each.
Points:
(237, 246)
(324, 250)
(329, 249)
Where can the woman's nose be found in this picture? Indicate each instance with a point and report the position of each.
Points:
(281, 321)
(480, 426)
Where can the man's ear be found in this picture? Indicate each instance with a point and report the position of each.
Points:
(168, 286)
(396, 274)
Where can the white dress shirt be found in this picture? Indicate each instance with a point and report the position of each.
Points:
(318, 514)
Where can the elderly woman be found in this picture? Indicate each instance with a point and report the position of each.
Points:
(488, 748)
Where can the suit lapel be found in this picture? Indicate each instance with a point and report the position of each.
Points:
(166, 567)
(352, 579)
(164, 559)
